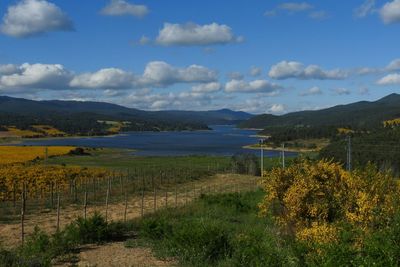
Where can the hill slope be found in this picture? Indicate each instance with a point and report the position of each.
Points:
(359, 114)
(96, 118)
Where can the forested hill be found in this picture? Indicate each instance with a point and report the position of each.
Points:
(94, 118)
(360, 114)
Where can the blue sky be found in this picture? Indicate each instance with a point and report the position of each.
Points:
(256, 56)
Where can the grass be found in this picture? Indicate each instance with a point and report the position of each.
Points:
(220, 230)
(125, 159)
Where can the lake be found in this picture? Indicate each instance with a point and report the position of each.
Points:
(223, 140)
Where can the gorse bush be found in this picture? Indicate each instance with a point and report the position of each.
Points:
(312, 201)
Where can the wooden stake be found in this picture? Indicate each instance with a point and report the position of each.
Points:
(142, 206)
(23, 212)
(155, 199)
(107, 196)
(58, 209)
(85, 204)
(126, 206)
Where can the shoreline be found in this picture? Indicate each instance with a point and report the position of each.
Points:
(300, 150)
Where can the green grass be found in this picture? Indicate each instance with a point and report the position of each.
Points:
(220, 230)
(125, 159)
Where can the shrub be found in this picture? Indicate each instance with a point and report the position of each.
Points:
(310, 200)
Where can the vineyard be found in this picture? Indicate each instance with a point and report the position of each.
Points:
(54, 191)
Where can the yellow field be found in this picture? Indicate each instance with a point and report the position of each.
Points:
(23, 133)
(20, 154)
(48, 130)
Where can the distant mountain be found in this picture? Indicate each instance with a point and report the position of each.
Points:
(359, 114)
(22, 111)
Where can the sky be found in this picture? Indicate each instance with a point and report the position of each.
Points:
(254, 56)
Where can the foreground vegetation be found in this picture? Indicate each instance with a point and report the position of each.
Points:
(311, 215)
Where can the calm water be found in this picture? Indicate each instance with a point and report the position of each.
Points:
(222, 140)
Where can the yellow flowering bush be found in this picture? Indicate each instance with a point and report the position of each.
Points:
(311, 199)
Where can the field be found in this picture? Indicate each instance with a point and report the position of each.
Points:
(21, 154)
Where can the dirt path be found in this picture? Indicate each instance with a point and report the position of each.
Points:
(117, 255)
(10, 233)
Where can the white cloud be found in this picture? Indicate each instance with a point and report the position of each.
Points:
(365, 9)
(207, 87)
(394, 65)
(110, 78)
(55, 76)
(255, 71)
(390, 79)
(8, 69)
(37, 76)
(190, 34)
(256, 86)
(277, 109)
(341, 91)
(159, 73)
(34, 17)
(293, 69)
(315, 90)
(122, 7)
(295, 7)
(390, 12)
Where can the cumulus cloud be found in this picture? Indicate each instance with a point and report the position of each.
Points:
(277, 109)
(34, 17)
(315, 90)
(390, 12)
(394, 65)
(365, 9)
(292, 69)
(255, 71)
(37, 76)
(161, 74)
(55, 76)
(207, 87)
(390, 79)
(110, 78)
(256, 86)
(190, 34)
(144, 40)
(122, 7)
(8, 69)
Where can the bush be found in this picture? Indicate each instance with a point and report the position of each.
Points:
(311, 200)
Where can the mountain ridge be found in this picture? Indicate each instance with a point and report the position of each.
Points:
(357, 114)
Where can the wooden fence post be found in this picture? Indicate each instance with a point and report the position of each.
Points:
(23, 199)
(126, 206)
(155, 199)
(107, 196)
(58, 208)
(85, 204)
(142, 205)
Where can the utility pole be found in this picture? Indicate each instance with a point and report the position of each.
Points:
(262, 157)
(349, 153)
(283, 155)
